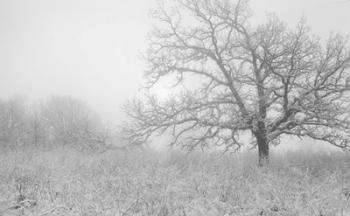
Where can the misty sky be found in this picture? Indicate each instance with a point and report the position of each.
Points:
(90, 48)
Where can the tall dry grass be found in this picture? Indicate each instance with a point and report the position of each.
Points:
(67, 182)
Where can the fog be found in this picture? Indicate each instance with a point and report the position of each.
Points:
(91, 49)
(88, 49)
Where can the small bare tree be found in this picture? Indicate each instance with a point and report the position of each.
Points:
(12, 122)
(267, 79)
(71, 121)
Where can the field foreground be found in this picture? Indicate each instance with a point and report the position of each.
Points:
(65, 182)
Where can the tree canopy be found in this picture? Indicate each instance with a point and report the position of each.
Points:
(267, 79)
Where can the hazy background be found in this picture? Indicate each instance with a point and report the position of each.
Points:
(90, 48)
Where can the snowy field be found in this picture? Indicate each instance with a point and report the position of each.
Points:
(66, 182)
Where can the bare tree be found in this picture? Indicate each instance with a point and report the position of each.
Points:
(70, 121)
(12, 122)
(36, 127)
(235, 77)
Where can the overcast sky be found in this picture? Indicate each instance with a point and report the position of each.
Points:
(90, 48)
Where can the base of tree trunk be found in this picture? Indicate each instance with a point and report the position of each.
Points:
(263, 148)
(263, 160)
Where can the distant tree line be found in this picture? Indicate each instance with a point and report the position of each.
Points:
(55, 121)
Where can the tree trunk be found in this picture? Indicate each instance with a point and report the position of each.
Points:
(263, 148)
(263, 144)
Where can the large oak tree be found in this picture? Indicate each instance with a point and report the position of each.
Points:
(267, 79)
